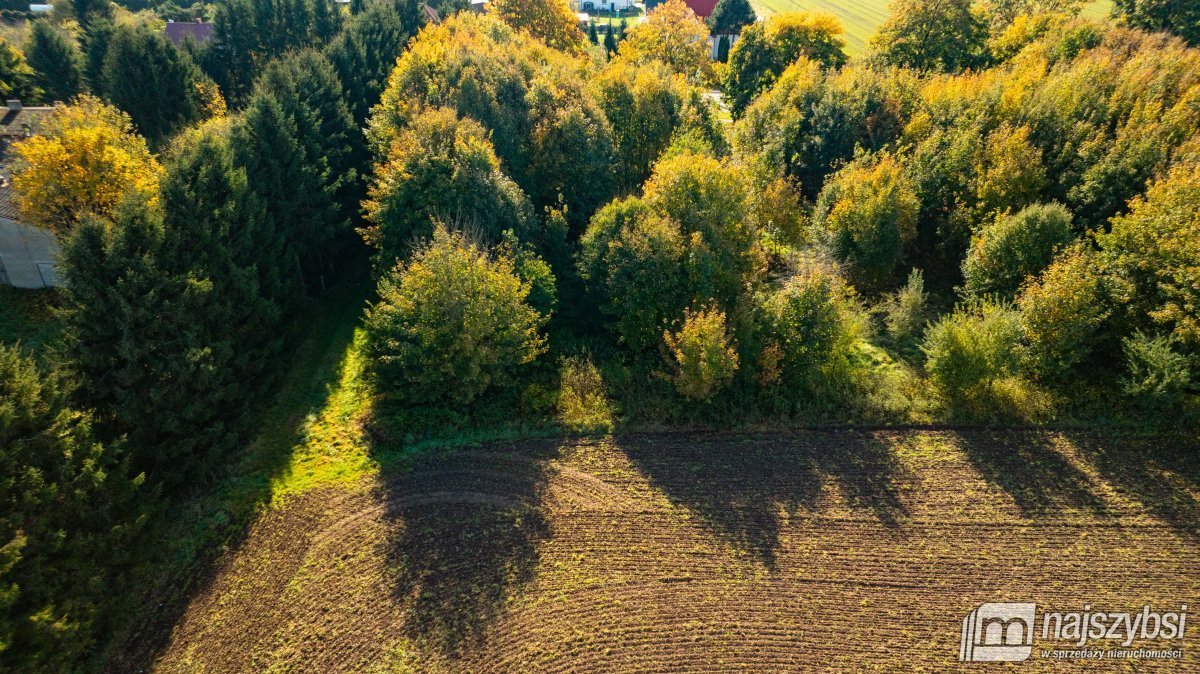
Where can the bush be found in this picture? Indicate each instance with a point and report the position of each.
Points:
(1157, 375)
(1014, 248)
(451, 324)
(905, 312)
(582, 397)
(1062, 314)
(971, 358)
(810, 325)
(701, 354)
(867, 213)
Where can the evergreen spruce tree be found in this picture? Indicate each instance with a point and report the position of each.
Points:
(66, 514)
(88, 12)
(153, 81)
(730, 16)
(365, 52)
(299, 144)
(56, 63)
(172, 312)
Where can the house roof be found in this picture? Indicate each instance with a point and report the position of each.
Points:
(18, 121)
(702, 8)
(179, 31)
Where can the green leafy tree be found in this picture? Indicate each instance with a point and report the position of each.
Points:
(1153, 248)
(1180, 17)
(691, 240)
(810, 327)
(451, 324)
(443, 167)
(972, 359)
(17, 79)
(1008, 251)
(702, 354)
(932, 35)
(767, 48)
(56, 62)
(1063, 314)
(868, 213)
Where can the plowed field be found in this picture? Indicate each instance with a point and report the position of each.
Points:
(810, 551)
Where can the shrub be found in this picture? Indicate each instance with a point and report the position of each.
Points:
(971, 358)
(1015, 247)
(450, 324)
(810, 324)
(1157, 375)
(906, 311)
(701, 354)
(1062, 313)
(867, 213)
(583, 403)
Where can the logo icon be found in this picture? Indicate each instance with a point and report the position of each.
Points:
(997, 632)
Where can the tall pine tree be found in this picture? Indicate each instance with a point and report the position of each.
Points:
(56, 62)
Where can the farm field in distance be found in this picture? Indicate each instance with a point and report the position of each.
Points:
(834, 550)
(862, 17)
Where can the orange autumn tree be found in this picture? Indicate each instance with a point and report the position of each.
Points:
(87, 158)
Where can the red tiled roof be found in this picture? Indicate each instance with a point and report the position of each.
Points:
(178, 31)
(702, 8)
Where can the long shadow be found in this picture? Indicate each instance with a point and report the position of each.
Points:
(738, 484)
(1027, 465)
(1162, 472)
(188, 536)
(466, 526)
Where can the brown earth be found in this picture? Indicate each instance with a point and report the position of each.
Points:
(808, 551)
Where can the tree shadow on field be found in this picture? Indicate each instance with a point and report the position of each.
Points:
(738, 484)
(466, 526)
(1161, 472)
(1028, 466)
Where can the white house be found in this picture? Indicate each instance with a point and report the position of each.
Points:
(593, 6)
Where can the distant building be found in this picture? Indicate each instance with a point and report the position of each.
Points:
(479, 6)
(41, 9)
(182, 31)
(27, 252)
(613, 6)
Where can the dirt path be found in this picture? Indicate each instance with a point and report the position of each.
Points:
(817, 551)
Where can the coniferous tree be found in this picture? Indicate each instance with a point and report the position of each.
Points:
(730, 16)
(365, 52)
(94, 41)
(172, 311)
(299, 144)
(65, 515)
(55, 61)
(89, 11)
(154, 81)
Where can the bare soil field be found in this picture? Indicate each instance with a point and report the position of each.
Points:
(806, 551)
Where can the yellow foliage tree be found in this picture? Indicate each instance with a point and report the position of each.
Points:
(673, 34)
(550, 21)
(87, 159)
